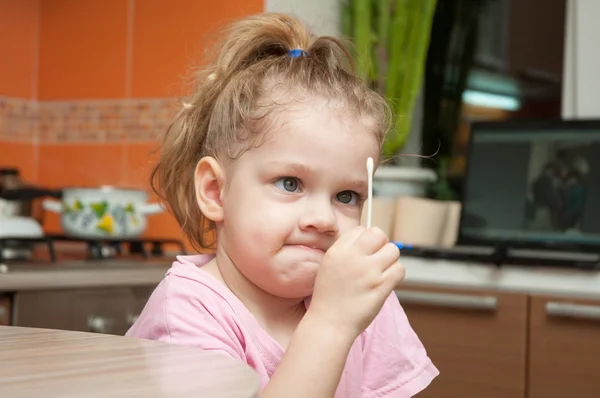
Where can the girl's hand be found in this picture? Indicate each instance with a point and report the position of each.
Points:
(358, 273)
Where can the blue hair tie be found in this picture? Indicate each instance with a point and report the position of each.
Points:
(295, 53)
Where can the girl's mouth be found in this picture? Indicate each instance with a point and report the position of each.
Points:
(308, 248)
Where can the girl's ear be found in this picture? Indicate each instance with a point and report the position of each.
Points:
(208, 181)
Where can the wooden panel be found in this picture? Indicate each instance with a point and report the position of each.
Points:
(564, 348)
(83, 46)
(101, 311)
(74, 309)
(54, 363)
(476, 339)
(40, 309)
(536, 44)
(18, 47)
(5, 310)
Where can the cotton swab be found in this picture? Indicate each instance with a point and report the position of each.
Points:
(370, 191)
(370, 167)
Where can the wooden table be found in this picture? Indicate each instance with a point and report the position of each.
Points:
(55, 363)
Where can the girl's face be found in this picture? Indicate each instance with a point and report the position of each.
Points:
(287, 201)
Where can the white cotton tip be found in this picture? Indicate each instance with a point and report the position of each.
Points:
(369, 191)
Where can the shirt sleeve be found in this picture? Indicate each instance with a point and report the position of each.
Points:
(181, 312)
(395, 363)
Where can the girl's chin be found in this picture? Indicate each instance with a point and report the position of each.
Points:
(297, 281)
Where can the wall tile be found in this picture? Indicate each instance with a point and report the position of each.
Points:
(87, 165)
(18, 119)
(85, 121)
(83, 49)
(21, 155)
(140, 158)
(108, 73)
(19, 22)
(162, 57)
(139, 120)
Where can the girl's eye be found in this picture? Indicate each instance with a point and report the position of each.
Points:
(288, 184)
(348, 197)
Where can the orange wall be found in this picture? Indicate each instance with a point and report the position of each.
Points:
(99, 50)
(125, 48)
(83, 49)
(161, 56)
(18, 43)
(18, 67)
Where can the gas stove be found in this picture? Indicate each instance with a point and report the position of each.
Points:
(51, 247)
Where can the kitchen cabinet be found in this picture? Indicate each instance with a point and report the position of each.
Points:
(564, 348)
(477, 340)
(506, 345)
(5, 310)
(103, 310)
(515, 37)
(536, 46)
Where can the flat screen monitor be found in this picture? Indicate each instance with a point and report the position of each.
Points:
(532, 184)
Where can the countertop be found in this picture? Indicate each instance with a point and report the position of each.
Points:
(81, 274)
(533, 280)
(55, 363)
(425, 272)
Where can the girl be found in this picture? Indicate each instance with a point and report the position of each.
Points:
(269, 157)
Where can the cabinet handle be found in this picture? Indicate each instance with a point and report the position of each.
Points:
(98, 324)
(448, 300)
(570, 310)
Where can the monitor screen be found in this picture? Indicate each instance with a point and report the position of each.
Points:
(533, 183)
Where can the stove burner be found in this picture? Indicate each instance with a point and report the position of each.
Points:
(101, 249)
(8, 243)
(97, 249)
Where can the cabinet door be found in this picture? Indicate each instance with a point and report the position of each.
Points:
(101, 311)
(5, 310)
(140, 298)
(564, 344)
(535, 42)
(476, 339)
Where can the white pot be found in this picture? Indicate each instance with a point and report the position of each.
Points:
(104, 212)
(393, 181)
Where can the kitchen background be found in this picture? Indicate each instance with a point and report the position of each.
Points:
(86, 86)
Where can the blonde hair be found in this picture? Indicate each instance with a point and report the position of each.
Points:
(220, 118)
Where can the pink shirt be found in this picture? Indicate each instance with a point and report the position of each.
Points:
(190, 307)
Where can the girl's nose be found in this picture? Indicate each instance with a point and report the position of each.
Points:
(319, 215)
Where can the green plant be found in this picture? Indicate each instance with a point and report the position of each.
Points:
(390, 39)
(441, 189)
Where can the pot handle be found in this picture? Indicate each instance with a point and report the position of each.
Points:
(29, 193)
(52, 205)
(150, 208)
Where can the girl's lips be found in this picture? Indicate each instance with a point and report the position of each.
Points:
(306, 248)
